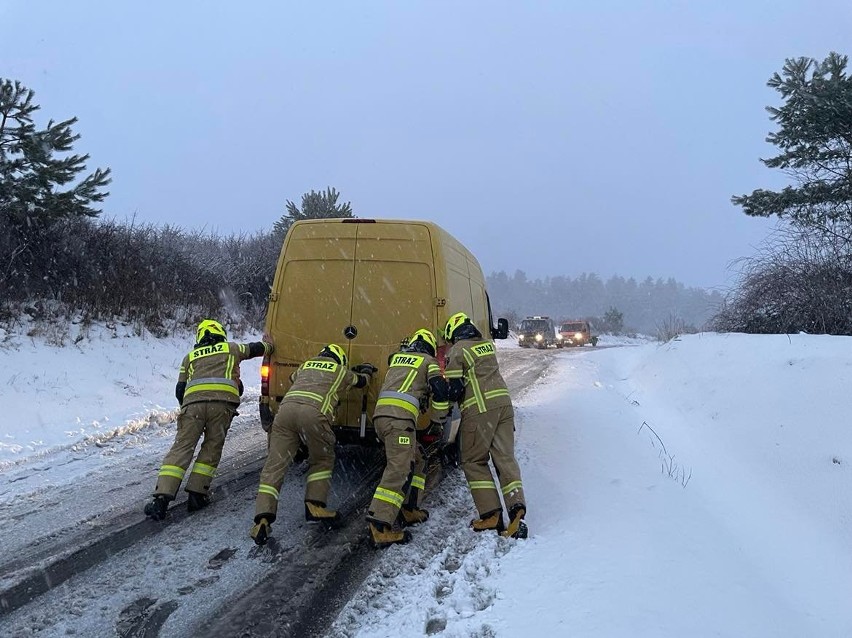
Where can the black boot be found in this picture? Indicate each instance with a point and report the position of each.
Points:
(413, 515)
(517, 528)
(317, 511)
(383, 534)
(488, 521)
(156, 509)
(197, 501)
(261, 530)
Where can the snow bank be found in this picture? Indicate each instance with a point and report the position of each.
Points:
(110, 382)
(698, 488)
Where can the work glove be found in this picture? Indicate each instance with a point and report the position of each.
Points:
(365, 368)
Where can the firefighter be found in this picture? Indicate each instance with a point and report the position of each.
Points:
(306, 414)
(487, 428)
(413, 380)
(208, 390)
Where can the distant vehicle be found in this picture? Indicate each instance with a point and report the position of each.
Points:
(536, 332)
(576, 333)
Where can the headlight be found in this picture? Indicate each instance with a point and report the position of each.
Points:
(538, 337)
(578, 336)
(520, 337)
(559, 337)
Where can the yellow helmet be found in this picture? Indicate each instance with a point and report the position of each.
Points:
(426, 338)
(209, 327)
(454, 323)
(335, 352)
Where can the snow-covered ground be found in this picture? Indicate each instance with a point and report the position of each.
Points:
(701, 487)
(698, 488)
(110, 384)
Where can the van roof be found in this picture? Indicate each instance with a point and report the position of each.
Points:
(438, 233)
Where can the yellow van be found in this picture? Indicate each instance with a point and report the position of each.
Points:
(365, 284)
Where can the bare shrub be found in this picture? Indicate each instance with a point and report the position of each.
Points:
(800, 281)
(159, 278)
(672, 327)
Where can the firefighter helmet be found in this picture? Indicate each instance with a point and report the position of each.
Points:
(335, 352)
(423, 341)
(453, 324)
(208, 327)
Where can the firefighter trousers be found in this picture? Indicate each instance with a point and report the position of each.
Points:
(401, 454)
(210, 419)
(296, 422)
(490, 434)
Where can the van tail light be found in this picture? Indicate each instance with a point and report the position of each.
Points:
(264, 377)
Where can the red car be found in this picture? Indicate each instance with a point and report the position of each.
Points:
(575, 333)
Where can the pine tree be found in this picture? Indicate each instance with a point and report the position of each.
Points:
(613, 321)
(815, 140)
(37, 177)
(315, 205)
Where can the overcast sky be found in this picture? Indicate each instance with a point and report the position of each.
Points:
(550, 137)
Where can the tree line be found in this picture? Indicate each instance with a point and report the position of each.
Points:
(615, 305)
(54, 248)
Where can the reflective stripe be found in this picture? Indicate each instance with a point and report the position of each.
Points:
(511, 487)
(454, 374)
(406, 385)
(219, 380)
(318, 476)
(402, 396)
(496, 393)
(397, 403)
(491, 394)
(229, 368)
(242, 348)
(473, 383)
(267, 489)
(212, 387)
(204, 469)
(418, 481)
(433, 369)
(482, 485)
(212, 384)
(389, 496)
(327, 407)
(467, 357)
(172, 470)
(304, 394)
(440, 405)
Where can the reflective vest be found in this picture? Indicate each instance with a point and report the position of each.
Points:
(406, 388)
(475, 361)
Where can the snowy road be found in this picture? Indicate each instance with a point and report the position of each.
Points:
(694, 488)
(160, 579)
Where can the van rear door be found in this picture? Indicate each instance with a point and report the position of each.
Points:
(393, 295)
(314, 300)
